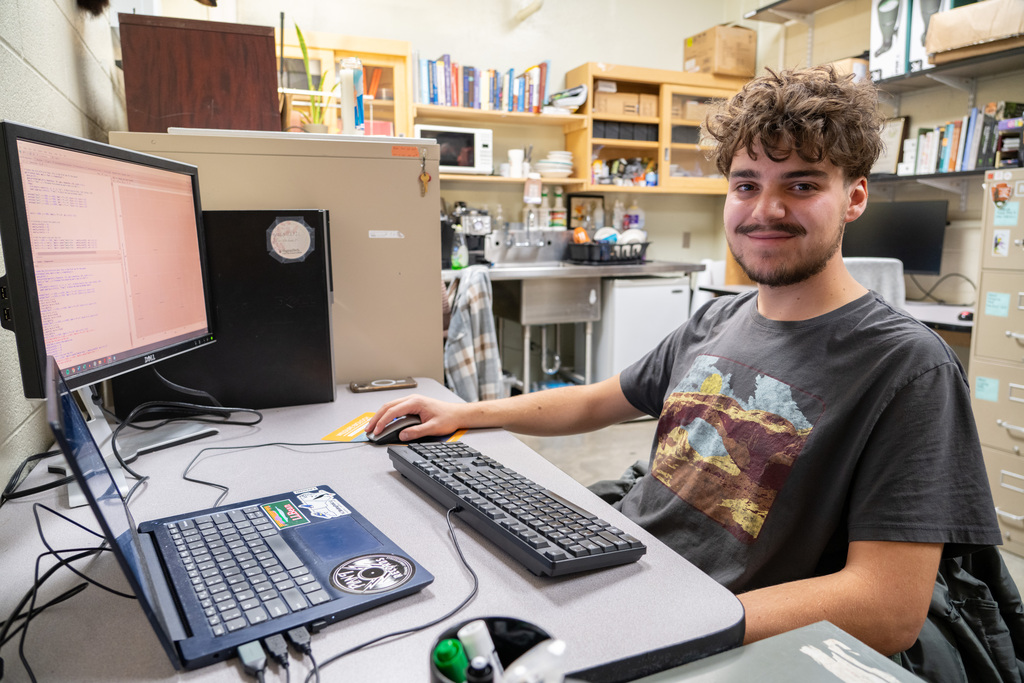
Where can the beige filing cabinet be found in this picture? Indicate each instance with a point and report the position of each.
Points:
(997, 350)
(385, 234)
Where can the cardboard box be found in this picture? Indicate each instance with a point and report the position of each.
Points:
(648, 105)
(852, 65)
(725, 50)
(978, 29)
(620, 103)
(890, 38)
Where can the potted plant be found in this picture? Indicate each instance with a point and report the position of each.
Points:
(314, 121)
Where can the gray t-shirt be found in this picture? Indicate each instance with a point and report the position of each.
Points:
(778, 443)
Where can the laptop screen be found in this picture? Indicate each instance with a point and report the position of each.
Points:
(90, 470)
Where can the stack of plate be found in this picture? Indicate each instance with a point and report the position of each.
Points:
(558, 164)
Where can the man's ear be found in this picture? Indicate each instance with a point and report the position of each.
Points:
(858, 195)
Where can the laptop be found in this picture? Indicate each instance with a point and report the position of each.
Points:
(212, 580)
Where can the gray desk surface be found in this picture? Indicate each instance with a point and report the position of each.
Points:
(98, 636)
(939, 316)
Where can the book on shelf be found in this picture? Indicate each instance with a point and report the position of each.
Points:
(444, 82)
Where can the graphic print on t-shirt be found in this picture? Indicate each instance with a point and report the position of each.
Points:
(727, 440)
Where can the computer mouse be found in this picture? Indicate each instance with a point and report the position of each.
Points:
(390, 433)
(966, 315)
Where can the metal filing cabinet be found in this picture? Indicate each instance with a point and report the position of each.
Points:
(997, 350)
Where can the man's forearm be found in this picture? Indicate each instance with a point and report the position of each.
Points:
(553, 412)
(881, 597)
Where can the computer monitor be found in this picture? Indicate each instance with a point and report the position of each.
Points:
(912, 232)
(104, 254)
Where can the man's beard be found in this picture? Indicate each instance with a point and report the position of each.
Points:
(786, 274)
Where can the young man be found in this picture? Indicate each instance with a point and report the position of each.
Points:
(815, 450)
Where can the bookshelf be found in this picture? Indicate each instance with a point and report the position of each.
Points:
(386, 65)
(665, 126)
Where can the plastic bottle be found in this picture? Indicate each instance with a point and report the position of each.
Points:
(618, 214)
(499, 219)
(634, 217)
(558, 211)
(460, 250)
(598, 216)
(531, 217)
(545, 209)
(356, 67)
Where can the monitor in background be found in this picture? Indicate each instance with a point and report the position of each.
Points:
(104, 254)
(912, 232)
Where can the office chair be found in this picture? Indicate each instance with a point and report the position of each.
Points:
(883, 275)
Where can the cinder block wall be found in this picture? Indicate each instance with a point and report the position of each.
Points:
(57, 72)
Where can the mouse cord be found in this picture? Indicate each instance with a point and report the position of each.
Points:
(434, 622)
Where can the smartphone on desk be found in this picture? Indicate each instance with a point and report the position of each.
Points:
(382, 385)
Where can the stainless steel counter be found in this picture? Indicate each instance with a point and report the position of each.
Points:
(564, 269)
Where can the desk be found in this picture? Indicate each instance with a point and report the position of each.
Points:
(562, 292)
(940, 317)
(98, 636)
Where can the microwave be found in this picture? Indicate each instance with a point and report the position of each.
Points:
(463, 150)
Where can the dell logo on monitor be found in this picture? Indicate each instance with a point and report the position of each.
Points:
(149, 359)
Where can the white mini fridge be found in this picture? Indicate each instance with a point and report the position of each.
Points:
(636, 314)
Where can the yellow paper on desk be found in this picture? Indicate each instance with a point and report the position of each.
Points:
(351, 431)
(355, 431)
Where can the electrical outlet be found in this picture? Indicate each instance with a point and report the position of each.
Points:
(686, 239)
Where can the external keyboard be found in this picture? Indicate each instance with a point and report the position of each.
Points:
(241, 569)
(546, 533)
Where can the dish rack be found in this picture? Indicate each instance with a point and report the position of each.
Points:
(607, 252)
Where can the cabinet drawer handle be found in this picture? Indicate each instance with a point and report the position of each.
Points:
(1014, 392)
(1009, 427)
(1003, 474)
(1015, 335)
(1010, 519)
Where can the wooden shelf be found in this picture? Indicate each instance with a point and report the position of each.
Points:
(687, 146)
(620, 118)
(434, 111)
(625, 144)
(502, 180)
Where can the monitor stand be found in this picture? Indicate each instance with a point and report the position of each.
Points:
(128, 446)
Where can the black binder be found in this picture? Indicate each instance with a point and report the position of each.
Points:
(271, 292)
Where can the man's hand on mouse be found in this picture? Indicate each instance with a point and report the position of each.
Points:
(437, 417)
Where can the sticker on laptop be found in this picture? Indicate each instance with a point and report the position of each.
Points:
(284, 514)
(321, 504)
(372, 574)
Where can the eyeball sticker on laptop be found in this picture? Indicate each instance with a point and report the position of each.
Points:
(290, 240)
(370, 574)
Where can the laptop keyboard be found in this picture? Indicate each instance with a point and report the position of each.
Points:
(242, 570)
(546, 533)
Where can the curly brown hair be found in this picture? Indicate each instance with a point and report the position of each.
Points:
(816, 113)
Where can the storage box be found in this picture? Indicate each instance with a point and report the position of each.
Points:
(648, 105)
(890, 29)
(725, 50)
(852, 65)
(620, 103)
(978, 29)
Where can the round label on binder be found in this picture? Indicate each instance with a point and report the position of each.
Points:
(371, 574)
(290, 240)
